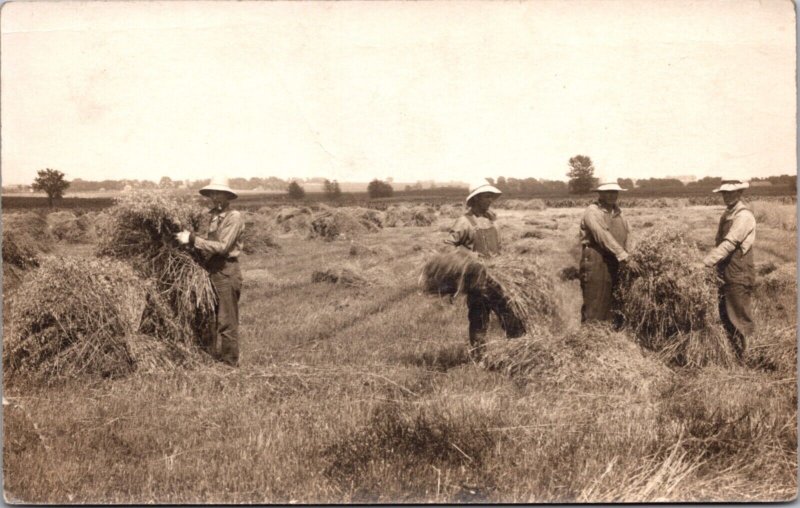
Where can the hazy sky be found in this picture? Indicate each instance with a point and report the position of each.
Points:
(415, 91)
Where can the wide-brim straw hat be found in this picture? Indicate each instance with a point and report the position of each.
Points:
(732, 184)
(481, 186)
(219, 183)
(609, 185)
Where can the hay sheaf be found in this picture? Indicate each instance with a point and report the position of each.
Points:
(345, 275)
(345, 223)
(671, 306)
(521, 204)
(71, 317)
(593, 358)
(25, 239)
(526, 286)
(181, 302)
(405, 216)
(258, 234)
(67, 227)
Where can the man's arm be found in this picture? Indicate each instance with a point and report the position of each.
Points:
(743, 224)
(594, 223)
(459, 233)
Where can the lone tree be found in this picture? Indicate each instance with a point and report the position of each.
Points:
(581, 174)
(332, 190)
(379, 189)
(296, 191)
(52, 182)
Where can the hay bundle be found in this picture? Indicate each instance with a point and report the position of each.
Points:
(405, 216)
(258, 236)
(527, 288)
(294, 220)
(451, 211)
(181, 302)
(71, 317)
(25, 238)
(67, 227)
(672, 306)
(343, 275)
(344, 222)
(593, 358)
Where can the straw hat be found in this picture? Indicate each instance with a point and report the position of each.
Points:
(219, 183)
(480, 186)
(730, 184)
(609, 184)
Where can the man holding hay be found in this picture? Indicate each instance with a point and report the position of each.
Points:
(475, 231)
(604, 239)
(221, 250)
(733, 258)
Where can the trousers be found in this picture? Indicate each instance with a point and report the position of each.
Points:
(598, 281)
(227, 282)
(479, 310)
(735, 313)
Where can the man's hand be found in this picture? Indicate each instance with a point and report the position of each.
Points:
(699, 265)
(632, 266)
(183, 237)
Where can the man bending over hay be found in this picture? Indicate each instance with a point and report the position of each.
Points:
(604, 240)
(221, 250)
(733, 258)
(475, 231)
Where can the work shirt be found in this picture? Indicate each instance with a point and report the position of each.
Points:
(596, 230)
(224, 235)
(741, 233)
(464, 233)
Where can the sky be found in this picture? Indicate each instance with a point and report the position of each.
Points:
(449, 91)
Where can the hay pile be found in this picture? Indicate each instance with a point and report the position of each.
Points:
(258, 234)
(591, 359)
(776, 294)
(672, 306)
(180, 304)
(71, 317)
(293, 219)
(521, 204)
(345, 223)
(525, 285)
(345, 275)
(25, 239)
(67, 227)
(451, 211)
(405, 216)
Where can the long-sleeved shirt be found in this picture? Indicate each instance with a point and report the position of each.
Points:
(463, 232)
(742, 233)
(224, 235)
(595, 230)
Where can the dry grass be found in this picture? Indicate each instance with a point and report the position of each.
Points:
(779, 216)
(525, 285)
(407, 216)
(671, 306)
(71, 317)
(345, 223)
(180, 304)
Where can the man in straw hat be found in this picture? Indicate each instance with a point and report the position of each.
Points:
(604, 236)
(221, 250)
(476, 231)
(733, 258)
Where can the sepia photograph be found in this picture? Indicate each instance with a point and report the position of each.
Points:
(398, 252)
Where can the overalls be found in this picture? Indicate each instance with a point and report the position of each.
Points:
(486, 242)
(599, 270)
(226, 277)
(737, 272)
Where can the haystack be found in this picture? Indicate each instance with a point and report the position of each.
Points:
(345, 275)
(25, 239)
(408, 216)
(71, 317)
(527, 288)
(451, 211)
(181, 303)
(672, 305)
(258, 234)
(65, 226)
(294, 220)
(344, 223)
(591, 359)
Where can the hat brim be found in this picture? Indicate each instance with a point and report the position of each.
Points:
(731, 187)
(205, 191)
(609, 188)
(486, 189)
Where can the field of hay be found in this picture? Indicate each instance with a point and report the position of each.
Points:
(355, 386)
